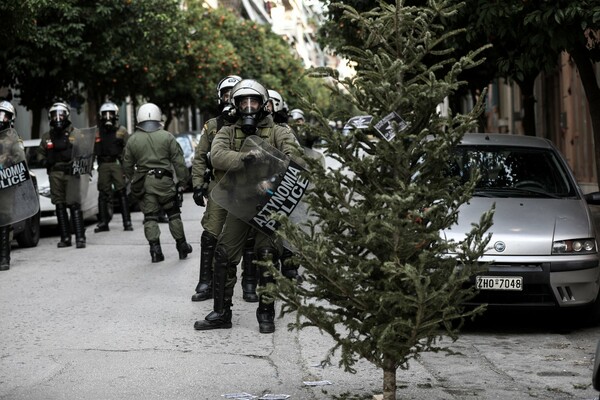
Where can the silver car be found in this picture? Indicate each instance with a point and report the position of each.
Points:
(543, 250)
(89, 204)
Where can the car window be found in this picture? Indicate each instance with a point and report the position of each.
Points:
(185, 144)
(514, 171)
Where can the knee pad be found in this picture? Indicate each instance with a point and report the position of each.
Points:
(151, 217)
(221, 255)
(208, 239)
(173, 212)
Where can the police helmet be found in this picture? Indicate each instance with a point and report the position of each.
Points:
(276, 99)
(59, 115)
(297, 114)
(149, 117)
(249, 89)
(225, 85)
(7, 115)
(109, 114)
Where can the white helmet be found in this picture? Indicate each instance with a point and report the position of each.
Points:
(109, 114)
(249, 99)
(249, 88)
(7, 115)
(276, 99)
(297, 114)
(58, 115)
(149, 117)
(226, 84)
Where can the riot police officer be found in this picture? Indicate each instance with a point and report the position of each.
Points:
(108, 149)
(203, 181)
(276, 106)
(249, 98)
(152, 161)
(56, 154)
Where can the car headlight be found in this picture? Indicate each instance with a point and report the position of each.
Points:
(44, 191)
(574, 246)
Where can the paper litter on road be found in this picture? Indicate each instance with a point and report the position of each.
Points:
(317, 383)
(238, 396)
(274, 397)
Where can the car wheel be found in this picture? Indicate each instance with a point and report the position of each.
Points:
(31, 234)
(591, 314)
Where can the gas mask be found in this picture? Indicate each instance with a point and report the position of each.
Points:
(249, 123)
(249, 108)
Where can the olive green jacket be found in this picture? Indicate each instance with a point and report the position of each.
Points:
(148, 150)
(228, 141)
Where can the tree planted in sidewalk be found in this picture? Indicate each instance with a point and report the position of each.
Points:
(379, 277)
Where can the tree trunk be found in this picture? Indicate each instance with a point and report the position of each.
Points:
(526, 86)
(592, 92)
(389, 380)
(36, 120)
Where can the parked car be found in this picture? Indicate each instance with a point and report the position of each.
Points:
(89, 205)
(188, 144)
(543, 250)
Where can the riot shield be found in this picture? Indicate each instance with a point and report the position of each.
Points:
(269, 183)
(18, 195)
(83, 163)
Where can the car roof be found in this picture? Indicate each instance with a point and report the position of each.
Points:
(31, 142)
(505, 139)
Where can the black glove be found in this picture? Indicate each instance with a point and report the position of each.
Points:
(199, 195)
(180, 190)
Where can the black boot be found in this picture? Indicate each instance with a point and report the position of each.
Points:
(183, 247)
(289, 269)
(5, 248)
(125, 211)
(220, 317)
(249, 272)
(77, 217)
(207, 252)
(156, 252)
(63, 225)
(265, 313)
(103, 216)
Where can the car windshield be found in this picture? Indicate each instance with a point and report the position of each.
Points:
(514, 171)
(185, 144)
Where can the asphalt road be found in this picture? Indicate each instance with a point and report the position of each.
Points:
(104, 323)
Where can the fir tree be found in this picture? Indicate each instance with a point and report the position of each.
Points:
(377, 275)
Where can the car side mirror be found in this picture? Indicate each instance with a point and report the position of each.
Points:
(593, 198)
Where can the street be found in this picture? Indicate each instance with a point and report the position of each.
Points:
(104, 323)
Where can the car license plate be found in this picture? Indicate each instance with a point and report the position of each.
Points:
(499, 282)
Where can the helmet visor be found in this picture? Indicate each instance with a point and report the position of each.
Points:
(107, 115)
(225, 95)
(249, 105)
(58, 115)
(5, 116)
